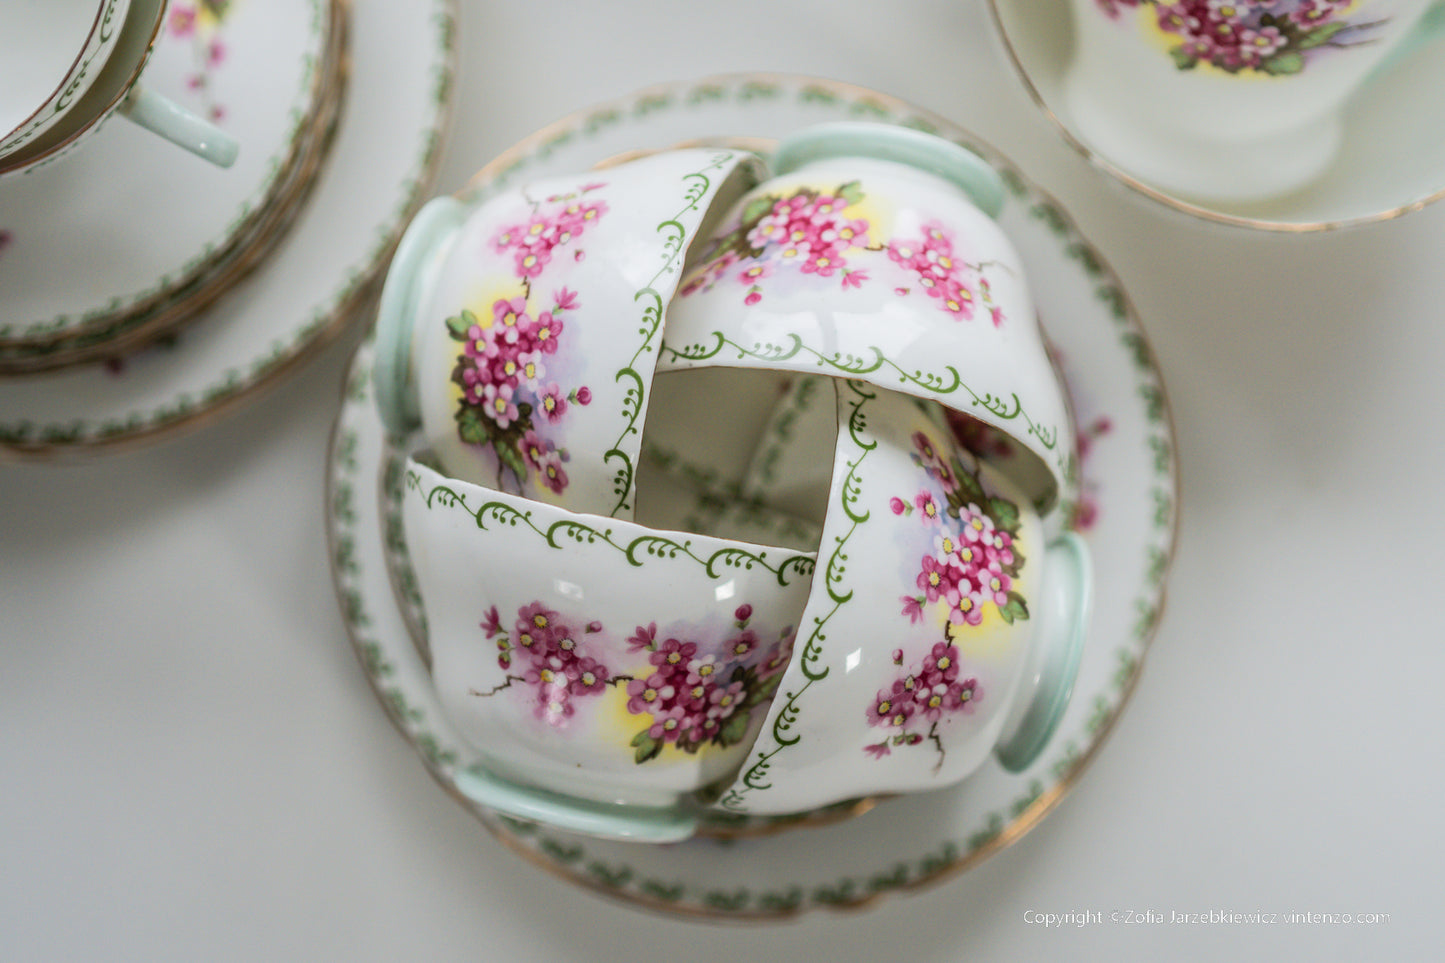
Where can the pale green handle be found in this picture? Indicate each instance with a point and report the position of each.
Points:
(408, 278)
(1063, 612)
(902, 145)
(179, 126)
(633, 823)
(1430, 26)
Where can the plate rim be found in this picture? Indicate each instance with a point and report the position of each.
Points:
(244, 252)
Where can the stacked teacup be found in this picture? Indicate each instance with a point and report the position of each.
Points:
(69, 64)
(71, 183)
(692, 497)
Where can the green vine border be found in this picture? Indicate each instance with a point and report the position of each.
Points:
(122, 313)
(780, 431)
(27, 437)
(637, 551)
(754, 777)
(696, 185)
(32, 127)
(860, 365)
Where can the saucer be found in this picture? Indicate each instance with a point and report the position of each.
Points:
(1403, 110)
(326, 268)
(1126, 512)
(259, 71)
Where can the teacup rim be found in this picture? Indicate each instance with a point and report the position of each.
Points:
(51, 144)
(936, 155)
(412, 460)
(69, 75)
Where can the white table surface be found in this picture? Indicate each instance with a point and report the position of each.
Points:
(192, 766)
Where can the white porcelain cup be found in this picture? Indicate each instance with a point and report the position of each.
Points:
(67, 65)
(944, 625)
(50, 54)
(605, 671)
(873, 253)
(793, 396)
(1218, 100)
(519, 333)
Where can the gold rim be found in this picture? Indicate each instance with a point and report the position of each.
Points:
(1037, 810)
(1170, 201)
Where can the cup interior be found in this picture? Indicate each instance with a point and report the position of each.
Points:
(40, 44)
(708, 435)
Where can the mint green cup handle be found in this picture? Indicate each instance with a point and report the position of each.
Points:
(1430, 27)
(424, 243)
(902, 145)
(632, 823)
(1063, 612)
(179, 126)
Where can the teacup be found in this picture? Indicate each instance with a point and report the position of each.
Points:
(872, 254)
(1235, 102)
(520, 334)
(45, 67)
(607, 673)
(946, 627)
(100, 47)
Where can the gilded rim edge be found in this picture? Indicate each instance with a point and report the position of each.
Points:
(81, 56)
(106, 110)
(249, 247)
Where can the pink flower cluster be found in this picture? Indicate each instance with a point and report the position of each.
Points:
(503, 366)
(503, 374)
(1243, 34)
(184, 21)
(534, 242)
(554, 665)
(972, 556)
(808, 231)
(940, 273)
(693, 692)
(924, 696)
(691, 696)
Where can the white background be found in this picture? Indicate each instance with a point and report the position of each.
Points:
(192, 766)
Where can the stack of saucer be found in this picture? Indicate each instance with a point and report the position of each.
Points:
(126, 239)
(174, 343)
